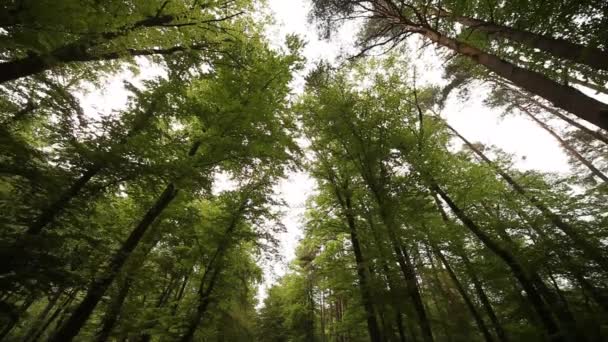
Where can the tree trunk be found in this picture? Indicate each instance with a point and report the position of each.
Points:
(405, 266)
(465, 296)
(59, 312)
(569, 149)
(483, 298)
(597, 135)
(345, 201)
(114, 309)
(560, 48)
(562, 96)
(372, 324)
(41, 318)
(517, 269)
(98, 288)
(592, 252)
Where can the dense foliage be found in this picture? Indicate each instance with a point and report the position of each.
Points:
(151, 221)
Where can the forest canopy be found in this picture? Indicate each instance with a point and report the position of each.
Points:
(159, 219)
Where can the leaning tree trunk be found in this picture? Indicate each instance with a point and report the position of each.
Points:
(465, 296)
(50, 213)
(595, 134)
(98, 288)
(592, 252)
(570, 150)
(485, 301)
(560, 48)
(509, 259)
(562, 96)
(113, 311)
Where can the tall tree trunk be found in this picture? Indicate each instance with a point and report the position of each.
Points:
(544, 313)
(562, 96)
(592, 252)
(114, 308)
(569, 149)
(483, 298)
(372, 324)
(98, 288)
(444, 310)
(560, 48)
(465, 296)
(345, 200)
(405, 265)
(595, 134)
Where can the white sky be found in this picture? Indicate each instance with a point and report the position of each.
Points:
(533, 147)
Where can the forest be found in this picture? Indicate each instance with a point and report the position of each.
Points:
(157, 220)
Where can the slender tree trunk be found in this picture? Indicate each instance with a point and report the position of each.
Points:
(483, 298)
(406, 267)
(98, 288)
(204, 301)
(592, 252)
(180, 294)
(465, 296)
(444, 311)
(562, 96)
(366, 297)
(372, 324)
(114, 308)
(560, 48)
(544, 313)
(566, 146)
(52, 211)
(595, 134)
(59, 312)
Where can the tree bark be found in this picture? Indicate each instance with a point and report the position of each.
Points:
(562, 96)
(465, 296)
(98, 288)
(592, 252)
(569, 149)
(544, 313)
(593, 57)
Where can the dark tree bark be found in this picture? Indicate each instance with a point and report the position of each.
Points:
(114, 308)
(344, 198)
(562, 96)
(593, 57)
(592, 252)
(465, 296)
(483, 298)
(569, 149)
(544, 313)
(98, 288)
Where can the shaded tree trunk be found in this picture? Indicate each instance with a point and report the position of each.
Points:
(544, 313)
(592, 252)
(562, 96)
(593, 57)
(465, 296)
(98, 288)
(114, 309)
